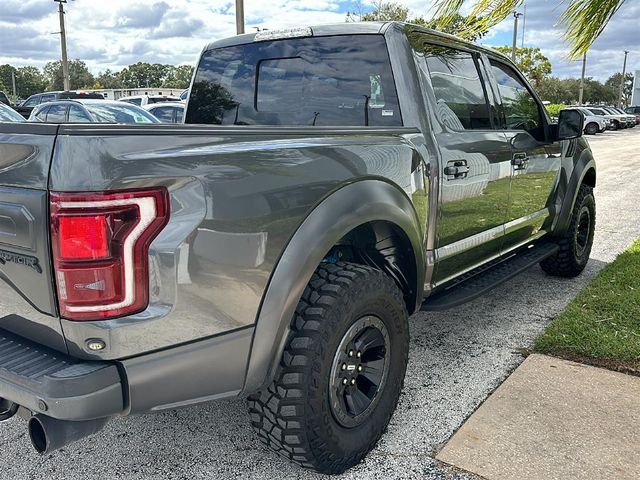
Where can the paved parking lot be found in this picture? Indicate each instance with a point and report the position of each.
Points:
(457, 358)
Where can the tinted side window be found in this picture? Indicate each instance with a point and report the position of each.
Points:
(459, 91)
(56, 114)
(179, 115)
(32, 101)
(164, 114)
(42, 114)
(78, 115)
(341, 80)
(520, 109)
(47, 98)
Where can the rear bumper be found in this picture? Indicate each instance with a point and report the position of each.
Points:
(66, 388)
(48, 382)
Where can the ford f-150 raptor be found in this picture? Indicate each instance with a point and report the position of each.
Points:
(328, 182)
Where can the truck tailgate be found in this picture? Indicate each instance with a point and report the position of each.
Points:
(27, 301)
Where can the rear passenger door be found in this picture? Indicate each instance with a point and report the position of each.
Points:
(535, 164)
(475, 169)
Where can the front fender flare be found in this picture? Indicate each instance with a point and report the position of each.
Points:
(349, 207)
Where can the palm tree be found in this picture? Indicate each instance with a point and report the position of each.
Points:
(584, 20)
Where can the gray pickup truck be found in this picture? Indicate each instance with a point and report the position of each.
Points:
(328, 182)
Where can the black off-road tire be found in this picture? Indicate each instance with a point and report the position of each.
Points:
(294, 415)
(575, 245)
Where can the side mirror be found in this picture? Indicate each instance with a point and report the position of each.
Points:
(570, 125)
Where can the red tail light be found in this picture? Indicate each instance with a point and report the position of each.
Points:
(100, 247)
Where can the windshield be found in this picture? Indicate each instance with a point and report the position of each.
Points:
(8, 114)
(329, 81)
(124, 113)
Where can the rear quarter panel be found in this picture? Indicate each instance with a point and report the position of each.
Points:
(237, 196)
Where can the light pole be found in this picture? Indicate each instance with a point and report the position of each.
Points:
(584, 69)
(515, 36)
(624, 71)
(66, 81)
(239, 16)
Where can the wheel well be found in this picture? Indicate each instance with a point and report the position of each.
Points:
(385, 246)
(590, 178)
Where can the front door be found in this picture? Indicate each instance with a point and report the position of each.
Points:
(475, 170)
(535, 165)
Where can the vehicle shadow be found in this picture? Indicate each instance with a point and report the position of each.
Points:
(457, 358)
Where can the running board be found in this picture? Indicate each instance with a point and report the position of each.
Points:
(480, 280)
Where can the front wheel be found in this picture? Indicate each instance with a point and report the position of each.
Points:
(341, 373)
(575, 245)
(591, 129)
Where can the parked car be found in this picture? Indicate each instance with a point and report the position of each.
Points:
(631, 119)
(4, 99)
(90, 111)
(329, 182)
(141, 100)
(167, 112)
(8, 114)
(592, 123)
(635, 111)
(33, 101)
(618, 121)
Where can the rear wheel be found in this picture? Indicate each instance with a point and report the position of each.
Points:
(341, 373)
(575, 245)
(592, 129)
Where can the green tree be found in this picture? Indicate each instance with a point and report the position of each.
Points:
(532, 62)
(627, 90)
(79, 75)
(392, 11)
(29, 80)
(141, 75)
(179, 77)
(583, 20)
(109, 79)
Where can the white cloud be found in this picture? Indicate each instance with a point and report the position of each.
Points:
(115, 33)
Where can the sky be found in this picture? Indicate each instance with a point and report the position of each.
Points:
(115, 33)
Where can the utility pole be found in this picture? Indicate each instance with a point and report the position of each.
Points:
(624, 71)
(240, 17)
(13, 84)
(515, 35)
(584, 69)
(66, 81)
(524, 23)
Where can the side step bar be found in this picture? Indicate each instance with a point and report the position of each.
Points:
(481, 280)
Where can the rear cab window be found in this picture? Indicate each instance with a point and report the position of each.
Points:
(341, 80)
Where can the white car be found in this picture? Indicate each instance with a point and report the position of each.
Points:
(592, 123)
(141, 100)
(167, 112)
(618, 121)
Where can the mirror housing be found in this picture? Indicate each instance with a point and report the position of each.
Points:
(570, 125)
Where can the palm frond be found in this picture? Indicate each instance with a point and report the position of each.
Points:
(585, 20)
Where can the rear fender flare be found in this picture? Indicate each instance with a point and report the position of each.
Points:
(338, 214)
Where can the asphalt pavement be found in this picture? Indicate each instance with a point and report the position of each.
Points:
(457, 359)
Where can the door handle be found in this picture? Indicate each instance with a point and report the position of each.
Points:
(456, 170)
(520, 161)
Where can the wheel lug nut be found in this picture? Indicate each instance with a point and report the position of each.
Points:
(344, 366)
(344, 381)
(351, 353)
(359, 368)
(353, 381)
(359, 354)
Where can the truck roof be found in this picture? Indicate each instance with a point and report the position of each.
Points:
(352, 28)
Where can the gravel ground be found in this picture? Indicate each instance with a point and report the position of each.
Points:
(457, 358)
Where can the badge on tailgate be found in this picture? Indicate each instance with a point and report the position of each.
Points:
(16, 230)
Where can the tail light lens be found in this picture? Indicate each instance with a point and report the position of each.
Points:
(100, 245)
